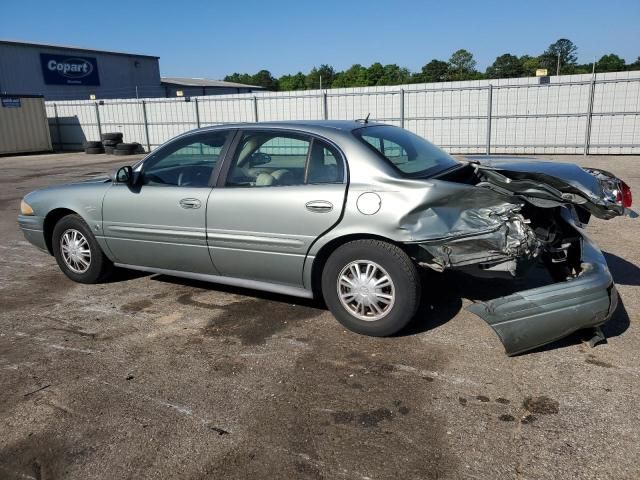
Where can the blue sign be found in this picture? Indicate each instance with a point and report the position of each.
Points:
(69, 70)
(11, 102)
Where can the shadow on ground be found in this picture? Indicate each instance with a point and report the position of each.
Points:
(623, 271)
(443, 295)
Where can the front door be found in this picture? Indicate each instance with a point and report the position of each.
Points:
(281, 192)
(161, 221)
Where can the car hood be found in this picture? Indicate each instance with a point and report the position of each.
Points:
(542, 181)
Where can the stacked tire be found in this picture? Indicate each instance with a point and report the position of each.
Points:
(126, 148)
(112, 144)
(110, 141)
(93, 148)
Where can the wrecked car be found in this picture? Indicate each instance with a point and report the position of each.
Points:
(346, 210)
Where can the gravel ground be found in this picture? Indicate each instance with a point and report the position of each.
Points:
(155, 377)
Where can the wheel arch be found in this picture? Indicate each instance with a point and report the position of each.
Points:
(50, 220)
(325, 251)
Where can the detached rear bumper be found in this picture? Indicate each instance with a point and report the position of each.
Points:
(532, 318)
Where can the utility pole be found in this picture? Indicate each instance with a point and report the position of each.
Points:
(558, 67)
(320, 82)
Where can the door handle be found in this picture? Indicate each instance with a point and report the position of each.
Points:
(190, 203)
(319, 206)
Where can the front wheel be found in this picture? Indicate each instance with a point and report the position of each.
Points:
(372, 287)
(77, 252)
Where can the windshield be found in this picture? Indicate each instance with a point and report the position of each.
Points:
(410, 154)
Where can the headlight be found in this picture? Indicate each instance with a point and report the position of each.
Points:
(25, 208)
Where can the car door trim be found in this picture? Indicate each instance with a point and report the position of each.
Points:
(199, 235)
(252, 238)
(231, 281)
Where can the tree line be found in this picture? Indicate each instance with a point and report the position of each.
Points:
(561, 56)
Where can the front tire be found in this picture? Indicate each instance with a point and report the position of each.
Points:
(372, 287)
(77, 251)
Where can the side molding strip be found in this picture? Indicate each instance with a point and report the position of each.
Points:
(232, 281)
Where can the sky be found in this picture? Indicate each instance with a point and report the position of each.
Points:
(214, 38)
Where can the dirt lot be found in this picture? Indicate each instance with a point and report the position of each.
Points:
(156, 377)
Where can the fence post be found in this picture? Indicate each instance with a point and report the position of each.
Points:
(402, 108)
(587, 132)
(489, 113)
(325, 106)
(146, 124)
(55, 111)
(195, 103)
(255, 109)
(98, 120)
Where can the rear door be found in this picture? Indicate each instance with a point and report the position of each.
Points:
(161, 221)
(281, 191)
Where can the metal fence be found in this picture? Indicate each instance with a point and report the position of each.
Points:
(570, 114)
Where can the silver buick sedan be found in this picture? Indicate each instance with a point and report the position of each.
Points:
(349, 210)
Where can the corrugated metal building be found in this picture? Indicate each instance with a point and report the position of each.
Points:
(191, 87)
(70, 73)
(23, 124)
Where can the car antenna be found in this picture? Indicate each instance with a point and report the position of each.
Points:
(364, 120)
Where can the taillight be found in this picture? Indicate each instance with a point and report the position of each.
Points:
(624, 197)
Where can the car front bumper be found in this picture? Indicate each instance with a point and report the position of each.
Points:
(32, 228)
(536, 317)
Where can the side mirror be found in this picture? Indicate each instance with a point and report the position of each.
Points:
(124, 175)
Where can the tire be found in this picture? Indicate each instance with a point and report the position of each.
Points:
(92, 144)
(99, 266)
(109, 150)
(110, 143)
(402, 296)
(118, 151)
(94, 150)
(126, 146)
(112, 136)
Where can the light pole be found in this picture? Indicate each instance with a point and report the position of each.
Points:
(558, 67)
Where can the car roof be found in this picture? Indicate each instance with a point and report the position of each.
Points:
(311, 126)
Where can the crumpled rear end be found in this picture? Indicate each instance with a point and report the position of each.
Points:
(536, 317)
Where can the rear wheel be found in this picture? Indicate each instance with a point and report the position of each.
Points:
(372, 287)
(77, 252)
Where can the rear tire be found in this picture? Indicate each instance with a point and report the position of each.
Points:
(372, 287)
(77, 251)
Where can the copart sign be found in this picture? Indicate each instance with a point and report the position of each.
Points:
(69, 70)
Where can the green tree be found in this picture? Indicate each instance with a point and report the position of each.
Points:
(292, 82)
(326, 72)
(264, 79)
(375, 73)
(354, 76)
(462, 66)
(635, 65)
(394, 75)
(610, 63)
(434, 71)
(505, 66)
(563, 49)
(529, 65)
(239, 78)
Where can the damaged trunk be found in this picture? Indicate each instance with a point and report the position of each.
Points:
(523, 220)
